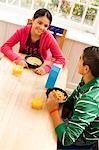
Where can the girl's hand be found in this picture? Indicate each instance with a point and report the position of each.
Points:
(52, 102)
(21, 62)
(39, 70)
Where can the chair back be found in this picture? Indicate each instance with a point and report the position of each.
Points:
(58, 33)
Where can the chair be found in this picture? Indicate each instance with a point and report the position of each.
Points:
(58, 33)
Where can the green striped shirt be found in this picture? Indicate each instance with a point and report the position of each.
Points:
(84, 121)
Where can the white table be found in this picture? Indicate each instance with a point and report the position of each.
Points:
(22, 127)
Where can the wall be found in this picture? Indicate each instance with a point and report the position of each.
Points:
(6, 30)
(71, 49)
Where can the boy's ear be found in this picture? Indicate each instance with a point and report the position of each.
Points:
(86, 69)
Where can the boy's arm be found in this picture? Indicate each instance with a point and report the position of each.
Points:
(82, 116)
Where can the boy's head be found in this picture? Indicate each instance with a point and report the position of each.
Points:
(90, 61)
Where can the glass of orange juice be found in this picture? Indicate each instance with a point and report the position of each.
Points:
(17, 69)
(38, 99)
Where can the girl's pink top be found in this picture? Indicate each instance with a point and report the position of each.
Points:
(48, 47)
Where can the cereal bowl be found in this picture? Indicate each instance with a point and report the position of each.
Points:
(33, 61)
(60, 94)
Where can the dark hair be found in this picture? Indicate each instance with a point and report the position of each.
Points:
(91, 58)
(43, 12)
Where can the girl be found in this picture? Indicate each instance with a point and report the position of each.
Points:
(36, 39)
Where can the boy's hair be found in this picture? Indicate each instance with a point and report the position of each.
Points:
(91, 58)
(43, 12)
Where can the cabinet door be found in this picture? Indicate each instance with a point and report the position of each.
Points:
(3, 27)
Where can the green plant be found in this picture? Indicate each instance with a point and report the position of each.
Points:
(54, 2)
(52, 6)
(95, 2)
(91, 14)
(65, 7)
(78, 10)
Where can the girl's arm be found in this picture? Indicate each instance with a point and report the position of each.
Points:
(48, 42)
(7, 47)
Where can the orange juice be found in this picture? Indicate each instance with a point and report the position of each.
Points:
(17, 69)
(37, 103)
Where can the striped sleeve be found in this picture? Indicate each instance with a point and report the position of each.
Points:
(85, 111)
(70, 101)
(72, 98)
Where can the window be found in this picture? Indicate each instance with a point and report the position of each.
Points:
(82, 14)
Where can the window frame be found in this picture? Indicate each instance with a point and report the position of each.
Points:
(84, 27)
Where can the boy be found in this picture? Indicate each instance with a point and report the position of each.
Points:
(81, 130)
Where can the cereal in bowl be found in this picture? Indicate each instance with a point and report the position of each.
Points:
(60, 95)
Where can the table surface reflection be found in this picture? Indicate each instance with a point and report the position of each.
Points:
(21, 126)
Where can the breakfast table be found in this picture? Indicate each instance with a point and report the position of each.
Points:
(21, 126)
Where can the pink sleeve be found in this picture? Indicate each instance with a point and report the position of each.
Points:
(7, 47)
(57, 52)
(50, 43)
(47, 68)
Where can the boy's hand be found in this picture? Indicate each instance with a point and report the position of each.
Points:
(52, 102)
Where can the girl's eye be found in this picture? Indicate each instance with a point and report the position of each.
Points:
(46, 26)
(40, 22)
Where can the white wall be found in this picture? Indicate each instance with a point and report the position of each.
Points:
(6, 30)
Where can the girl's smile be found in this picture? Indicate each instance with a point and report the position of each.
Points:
(39, 25)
